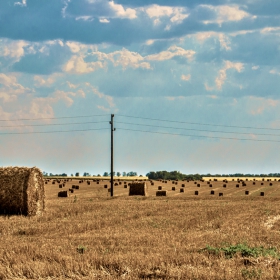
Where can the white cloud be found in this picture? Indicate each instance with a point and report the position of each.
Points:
(85, 18)
(12, 49)
(77, 65)
(71, 85)
(262, 104)
(104, 20)
(121, 12)
(173, 98)
(274, 72)
(226, 13)
(11, 88)
(149, 42)
(256, 67)
(156, 11)
(186, 77)
(102, 108)
(224, 42)
(267, 30)
(170, 53)
(212, 96)
(223, 72)
(175, 14)
(208, 88)
(22, 3)
(40, 82)
(223, 39)
(107, 98)
(126, 58)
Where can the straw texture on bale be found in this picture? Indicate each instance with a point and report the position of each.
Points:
(21, 191)
(138, 189)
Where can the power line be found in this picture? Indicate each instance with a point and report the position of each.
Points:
(39, 132)
(75, 117)
(202, 130)
(201, 136)
(24, 125)
(194, 123)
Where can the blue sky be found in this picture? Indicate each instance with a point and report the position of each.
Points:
(210, 67)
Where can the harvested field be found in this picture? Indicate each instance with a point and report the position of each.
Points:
(90, 235)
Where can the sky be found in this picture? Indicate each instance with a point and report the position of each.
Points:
(193, 85)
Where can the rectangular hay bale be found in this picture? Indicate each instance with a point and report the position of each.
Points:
(138, 189)
(161, 193)
(21, 191)
(63, 194)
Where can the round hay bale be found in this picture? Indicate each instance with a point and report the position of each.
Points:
(237, 185)
(212, 192)
(198, 185)
(210, 186)
(105, 186)
(262, 194)
(125, 186)
(183, 185)
(270, 184)
(221, 194)
(224, 186)
(246, 192)
(182, 190)
(60, 186)
(195, 192)
(161, 193)
(21, 191)
(173, 188)
(159, 188)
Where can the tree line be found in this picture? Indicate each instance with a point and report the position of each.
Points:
(241, 175)
(86, 174)
(172, 175)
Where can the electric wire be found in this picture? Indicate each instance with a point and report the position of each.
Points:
(36, 119)
(39, 132)
(28, 125)
(200, 136)
(201, 130)
(194, 123)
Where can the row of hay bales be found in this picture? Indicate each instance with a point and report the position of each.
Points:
(21, 191)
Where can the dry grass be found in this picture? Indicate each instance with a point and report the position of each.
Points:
(92, 236)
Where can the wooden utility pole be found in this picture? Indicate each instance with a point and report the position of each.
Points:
(112, 154)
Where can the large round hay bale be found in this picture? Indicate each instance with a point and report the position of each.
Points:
(21, 191)
(138, 189)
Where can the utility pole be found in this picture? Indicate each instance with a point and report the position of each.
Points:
(112, 154)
